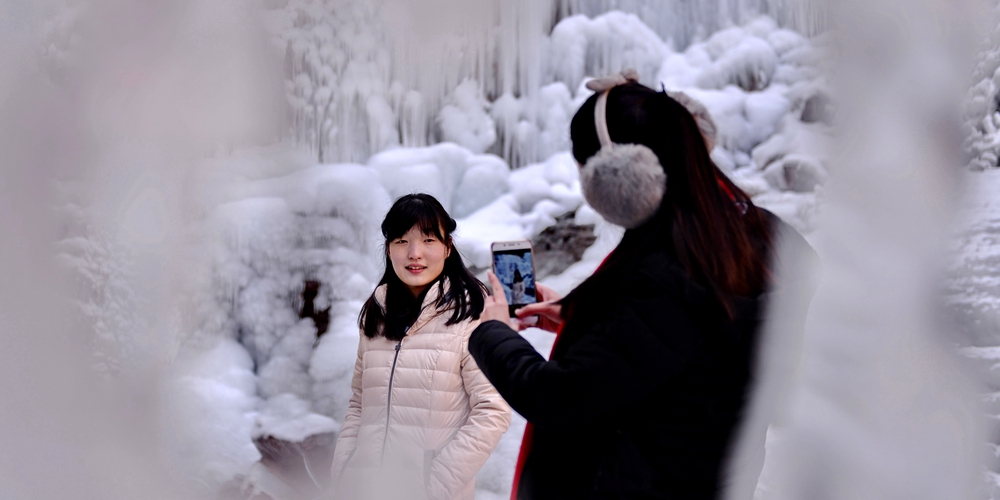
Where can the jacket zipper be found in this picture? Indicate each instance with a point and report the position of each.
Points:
(388, 402)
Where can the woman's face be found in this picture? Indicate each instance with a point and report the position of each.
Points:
(418, 258)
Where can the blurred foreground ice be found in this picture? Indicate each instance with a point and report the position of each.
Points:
(195, 267)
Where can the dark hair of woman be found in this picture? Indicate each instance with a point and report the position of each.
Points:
(705, 221)
(465, 297)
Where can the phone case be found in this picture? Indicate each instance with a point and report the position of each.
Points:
(514, 265)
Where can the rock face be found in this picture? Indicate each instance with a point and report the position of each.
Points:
(818, 108)
(797, 173)
(561, 245)
(321, 317)
(286, 471)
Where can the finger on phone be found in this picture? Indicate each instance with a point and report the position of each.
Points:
(530, 310)
(498, 292)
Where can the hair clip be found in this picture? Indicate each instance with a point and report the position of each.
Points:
(627, 75)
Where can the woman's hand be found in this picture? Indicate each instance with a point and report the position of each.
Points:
(496, 304)
(549, 312)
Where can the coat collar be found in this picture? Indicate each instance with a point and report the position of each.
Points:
(428, 311)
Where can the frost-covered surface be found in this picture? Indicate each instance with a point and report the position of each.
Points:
(682, 23)
(975, 287)
(982, 119)
(879, 374)
(106, 296)
(498, 80)
(214, 395)
(972, 292)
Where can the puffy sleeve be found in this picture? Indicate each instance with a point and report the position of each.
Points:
(610, 364)
(457, 463)
(347, 439)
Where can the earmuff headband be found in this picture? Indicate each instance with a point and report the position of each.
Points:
(623, 182)
(601, 119)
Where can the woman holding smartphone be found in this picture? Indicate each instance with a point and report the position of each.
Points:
(647, 379)
(423, 418)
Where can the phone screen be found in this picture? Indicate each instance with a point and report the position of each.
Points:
(516, 273)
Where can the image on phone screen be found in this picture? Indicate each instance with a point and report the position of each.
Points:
(516, 273)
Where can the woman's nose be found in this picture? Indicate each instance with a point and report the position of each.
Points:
(413, 251)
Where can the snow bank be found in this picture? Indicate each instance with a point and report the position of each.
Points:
(462, 181)
(212, 404)
(289, 418)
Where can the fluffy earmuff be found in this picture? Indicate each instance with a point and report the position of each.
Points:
(623, 182)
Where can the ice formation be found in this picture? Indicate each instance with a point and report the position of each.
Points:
(982, 105)
(363, 76)
(883, 406)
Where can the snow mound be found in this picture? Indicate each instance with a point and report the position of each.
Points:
(607, 43)
(212, 403)
(460, 179)
(289, 418)
(464, 120)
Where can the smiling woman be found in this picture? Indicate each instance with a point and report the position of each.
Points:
(422, 418)
(418, 258)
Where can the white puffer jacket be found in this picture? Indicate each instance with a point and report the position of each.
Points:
(422, 419)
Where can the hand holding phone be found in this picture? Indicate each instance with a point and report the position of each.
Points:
(495, 306)
(515, 270)
(548, 311)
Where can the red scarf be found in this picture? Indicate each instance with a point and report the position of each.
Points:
(725, 189)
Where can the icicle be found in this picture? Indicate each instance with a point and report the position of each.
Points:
(365, 75)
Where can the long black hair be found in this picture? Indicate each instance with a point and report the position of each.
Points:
(466, 294)
(707, 223)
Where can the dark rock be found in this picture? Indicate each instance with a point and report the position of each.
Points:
(795, 173)
(320, 318)
(818, 108)
(287, 470)
(561, 245)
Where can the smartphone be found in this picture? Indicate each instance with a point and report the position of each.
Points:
(514, 267)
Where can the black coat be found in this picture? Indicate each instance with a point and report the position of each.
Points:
(639, 401)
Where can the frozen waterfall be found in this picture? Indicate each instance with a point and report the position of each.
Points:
(366, 75)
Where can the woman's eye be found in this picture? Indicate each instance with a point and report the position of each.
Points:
(400, 242)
